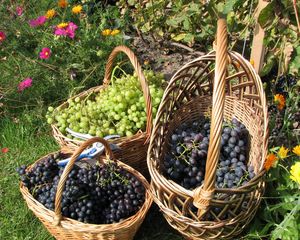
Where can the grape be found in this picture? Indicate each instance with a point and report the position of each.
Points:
(99, 194)
(107, 108)
(186, 160)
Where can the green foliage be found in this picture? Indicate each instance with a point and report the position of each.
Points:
(281, 39)
(279, 213)
(187, 21)
(75, 63)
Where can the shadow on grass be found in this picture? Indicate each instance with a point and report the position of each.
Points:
(156, 227)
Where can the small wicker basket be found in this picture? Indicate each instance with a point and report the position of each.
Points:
(134, 148)
(223, 85)
(66, 228)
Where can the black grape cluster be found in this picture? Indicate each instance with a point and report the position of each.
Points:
(98, 194)
(186, 159)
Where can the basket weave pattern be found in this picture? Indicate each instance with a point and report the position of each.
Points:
(220, 85)
(133, 148)
(66, 228)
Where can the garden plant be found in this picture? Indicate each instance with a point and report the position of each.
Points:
(53, 50)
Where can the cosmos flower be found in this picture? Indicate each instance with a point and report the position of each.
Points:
(37, 22)
(66, 29)
(19, 10)
(5, 150)
(2, 36)
(26, 83)
(45, 53)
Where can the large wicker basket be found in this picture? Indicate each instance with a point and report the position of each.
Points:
(66, 228)
(134, 148)
(220, 84)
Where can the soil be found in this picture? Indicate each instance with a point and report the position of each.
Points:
(165, 57)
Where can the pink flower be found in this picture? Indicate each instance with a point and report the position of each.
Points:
(19, 10)
(68, 30)
(71, 29)
(60, 32)
(26, 83)
(37, 22)
(5, 150)
(45, 53)
(2, 36)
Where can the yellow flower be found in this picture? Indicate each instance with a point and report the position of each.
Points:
(295, 172)
(106, 32)
(252, 62)
(296, 150)
(62, 25)
(62, 3)
(271, 159)
(50, 13)
(280, 101)
(115, 32)
(77, 9)
(282, 153)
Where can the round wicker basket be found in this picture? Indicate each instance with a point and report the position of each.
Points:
(66, 228)
(222, 85)
(133, 149)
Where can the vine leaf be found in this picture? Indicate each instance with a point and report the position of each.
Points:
(266, 15)
(295, 63)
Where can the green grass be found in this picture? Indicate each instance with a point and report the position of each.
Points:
(28, 139)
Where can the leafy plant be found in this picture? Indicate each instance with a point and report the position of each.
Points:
(72, 39)
(278, 19)
(189, 22)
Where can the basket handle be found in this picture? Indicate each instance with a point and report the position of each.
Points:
(203, 195)
(67, 170)
(137, 67)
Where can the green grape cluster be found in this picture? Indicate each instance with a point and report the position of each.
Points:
(118, 109)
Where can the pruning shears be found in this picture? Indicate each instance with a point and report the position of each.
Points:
(97, 148)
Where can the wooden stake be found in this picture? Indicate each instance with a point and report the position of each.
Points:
(258, 49)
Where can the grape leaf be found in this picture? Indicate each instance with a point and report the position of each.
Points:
(266, 15)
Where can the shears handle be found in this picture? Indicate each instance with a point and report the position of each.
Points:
(89, 153)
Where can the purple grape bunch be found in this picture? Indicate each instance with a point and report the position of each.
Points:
(185, 161)
(97, 194)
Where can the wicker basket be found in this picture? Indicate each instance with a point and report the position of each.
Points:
(134, 148)
(66, 228)
(204, 86)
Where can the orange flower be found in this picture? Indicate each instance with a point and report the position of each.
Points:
(280, 101)
(62, 3)
(270, 161)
